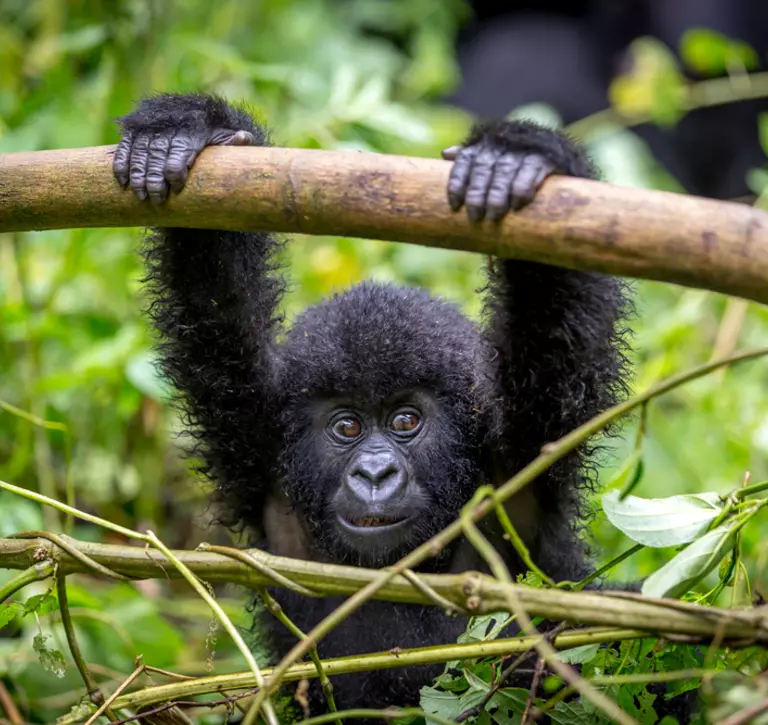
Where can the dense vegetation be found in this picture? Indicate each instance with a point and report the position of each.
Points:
(81, 407)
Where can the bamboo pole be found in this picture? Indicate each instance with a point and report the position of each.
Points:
(573, 222)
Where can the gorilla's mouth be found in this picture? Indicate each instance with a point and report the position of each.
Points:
(372, 521)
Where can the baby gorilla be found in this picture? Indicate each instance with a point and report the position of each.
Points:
(361, 431)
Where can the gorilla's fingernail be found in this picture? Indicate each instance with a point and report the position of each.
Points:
(475, 213)
(451, 152)
(494, 213)
(242, 138)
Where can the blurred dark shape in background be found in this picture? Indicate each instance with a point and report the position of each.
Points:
(566, 53)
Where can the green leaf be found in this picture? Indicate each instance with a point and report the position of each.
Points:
(692, 564)
(41, 604)
(480, 627)
(571, 713)
(52, 660)
(711, 53)
(437, 702)
(142, 371)
(660, 522)
(579, 655)
(653, 86)
(475, 682)
(508, 705)
(9, 611)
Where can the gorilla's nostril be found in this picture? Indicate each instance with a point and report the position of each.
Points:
(375, 476)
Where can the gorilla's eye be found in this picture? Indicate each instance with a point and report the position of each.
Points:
(347, 428)
(405, 422)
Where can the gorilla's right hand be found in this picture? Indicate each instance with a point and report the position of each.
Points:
(165, 134)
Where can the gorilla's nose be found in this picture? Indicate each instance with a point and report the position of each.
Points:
(376, 478)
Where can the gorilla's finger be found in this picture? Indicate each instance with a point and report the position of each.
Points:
(182, 153)
(459, 177)
(479, 181)
(533, 170)
(450, 153)
(156, 186)
(121, 160)
(230, 137)
(139, 160)
(504, 173)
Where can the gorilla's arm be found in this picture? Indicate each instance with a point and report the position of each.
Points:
(214, 293)
(558, 332)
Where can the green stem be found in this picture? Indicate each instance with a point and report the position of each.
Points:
(578, 586)
(95, 694)
(751, 490)
(367, 662)
(274, 608)
(704, 94)
(387, 714)
(221, 615)
(35, 573)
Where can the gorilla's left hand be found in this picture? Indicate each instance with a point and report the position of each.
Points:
(502, 165)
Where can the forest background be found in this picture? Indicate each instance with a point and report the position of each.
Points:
(76, 351)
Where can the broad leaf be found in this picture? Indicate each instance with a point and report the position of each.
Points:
(692, 564)
(660, 522)
(438, 702)
(579, 655)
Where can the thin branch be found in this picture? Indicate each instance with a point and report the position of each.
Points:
(124, 685)
(7, 703)
(63, 542)
(274, 608)
(364, 663)
(34, 573)
(387, 714)
(702, 94)
(95, 694)
(249, 560)
(199, 587)
(572, 222)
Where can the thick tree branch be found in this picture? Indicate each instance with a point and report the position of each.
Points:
(480, 593)
(573, 222)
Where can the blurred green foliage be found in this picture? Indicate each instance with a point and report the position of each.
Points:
(75, 349)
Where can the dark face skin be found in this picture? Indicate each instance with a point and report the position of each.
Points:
(377, 499)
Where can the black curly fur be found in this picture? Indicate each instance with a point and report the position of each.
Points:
(550, 356)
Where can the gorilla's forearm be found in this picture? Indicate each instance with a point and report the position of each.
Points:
(214, 294)
(557, 332)
(561, 344)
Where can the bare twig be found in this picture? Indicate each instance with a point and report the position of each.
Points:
(124, 685)
(7, 703)
(532, 691)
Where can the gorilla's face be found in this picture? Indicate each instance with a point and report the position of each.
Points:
(385, 475)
